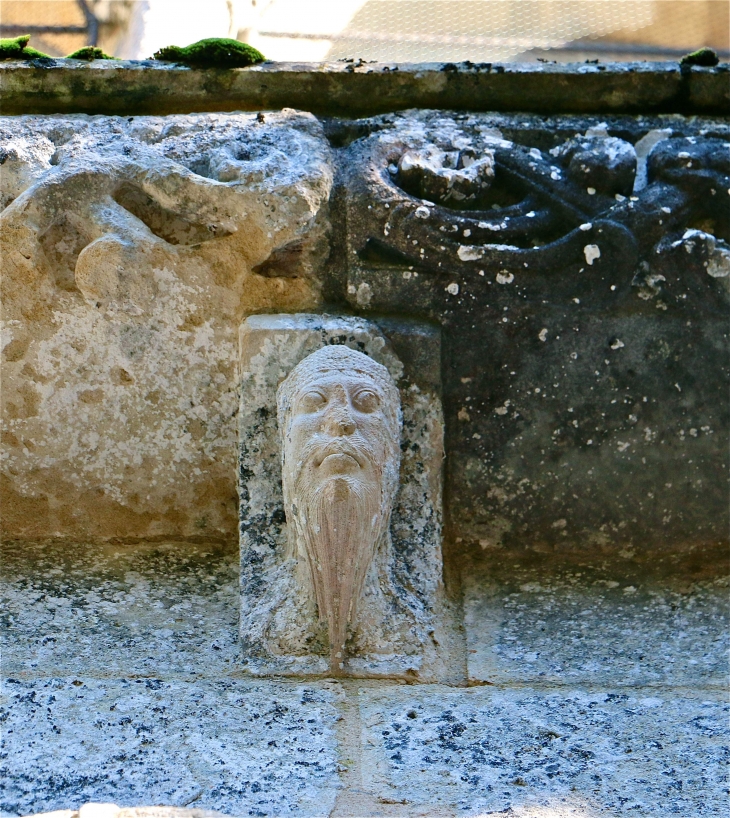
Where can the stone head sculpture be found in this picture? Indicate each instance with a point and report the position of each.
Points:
(340, 423)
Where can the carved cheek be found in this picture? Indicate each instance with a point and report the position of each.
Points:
(300, 432)
(374, 430)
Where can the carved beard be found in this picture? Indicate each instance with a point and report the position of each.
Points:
(341, 521)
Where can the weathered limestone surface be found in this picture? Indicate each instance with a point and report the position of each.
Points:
(122, 611)
(559, 284)
(129, 248)
(578, 268)
(426, 750)
(566, 752)
(624, 624)
(349, 88)
(223, 744)
(125, 690)
(101, 809)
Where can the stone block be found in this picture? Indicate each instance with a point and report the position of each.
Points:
(578, 268)
(404, 626)
(229, 745)
(166, 609)
(536, 753)
(132, 247)
(565, 721)
(619, 624)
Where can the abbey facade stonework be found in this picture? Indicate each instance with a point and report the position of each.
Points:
(484, 574)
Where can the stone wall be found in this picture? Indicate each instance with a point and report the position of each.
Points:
(594, 689)
(556, 280)
(577, 267)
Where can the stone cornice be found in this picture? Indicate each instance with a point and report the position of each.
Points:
(361, 88)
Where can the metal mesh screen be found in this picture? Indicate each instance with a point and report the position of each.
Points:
(490, 30)
(386, 30)
(423, 30)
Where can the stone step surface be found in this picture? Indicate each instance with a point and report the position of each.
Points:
(617, 624)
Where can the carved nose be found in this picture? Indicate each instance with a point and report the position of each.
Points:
(339, 422)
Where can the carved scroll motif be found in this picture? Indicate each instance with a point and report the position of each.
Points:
(602, 212)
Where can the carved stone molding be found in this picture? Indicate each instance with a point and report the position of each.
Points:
(578, 267)
(131, 248)
(514, 200)
(364, 604)
(580, 270)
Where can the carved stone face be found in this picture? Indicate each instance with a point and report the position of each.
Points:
(339, 415)
(337, 427)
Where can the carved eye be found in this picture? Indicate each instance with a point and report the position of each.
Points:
(366, 401)
(312, 401)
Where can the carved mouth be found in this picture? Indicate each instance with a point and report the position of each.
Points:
(340, 462)
(341, 453)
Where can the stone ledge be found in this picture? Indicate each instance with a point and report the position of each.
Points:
(401, 751)
(95, 810)
(359, 89)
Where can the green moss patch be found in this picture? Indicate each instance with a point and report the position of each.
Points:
(703, 56)
(16, 48)
(214, 52)
(89, 52)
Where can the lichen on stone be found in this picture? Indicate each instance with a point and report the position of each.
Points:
(90, 52)
(16, 48)
(214, 52)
